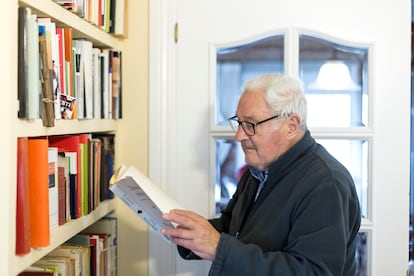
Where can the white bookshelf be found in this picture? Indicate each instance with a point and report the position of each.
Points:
(12, 127)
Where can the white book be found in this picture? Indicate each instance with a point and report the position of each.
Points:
(97, 92)
(105, 83)
(33, 65)
(144, 197)
(53, 187)
(119, 28)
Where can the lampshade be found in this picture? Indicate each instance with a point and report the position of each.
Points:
(334, 75)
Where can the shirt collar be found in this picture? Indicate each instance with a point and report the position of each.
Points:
(258, 174)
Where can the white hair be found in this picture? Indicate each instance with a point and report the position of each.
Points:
(283, 94)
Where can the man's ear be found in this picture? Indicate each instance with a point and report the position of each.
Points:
(293, 122)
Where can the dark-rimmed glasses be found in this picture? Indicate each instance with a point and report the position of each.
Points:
(248, 127)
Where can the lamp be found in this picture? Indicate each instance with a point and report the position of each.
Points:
(334, 75)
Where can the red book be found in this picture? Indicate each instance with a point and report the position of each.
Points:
(71, 143)
(22, 199)
(38, 192)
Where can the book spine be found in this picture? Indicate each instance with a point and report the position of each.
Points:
(38, 191)
(22, 199)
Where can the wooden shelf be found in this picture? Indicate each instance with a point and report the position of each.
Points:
(62, 234)
(81, 28)
(32, 128)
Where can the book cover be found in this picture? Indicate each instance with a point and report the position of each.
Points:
(116, 62)
(62, 187)
(34, 85)
(107, 163)
(22, 199)
(97, 93)
(94, 172)
(73, 184)
(84, 170)
(67, 34)
(64, 168)
(61, 62)
(53, 187)
(145, 198)
(38, 192)
(22, 51)
(71, 144)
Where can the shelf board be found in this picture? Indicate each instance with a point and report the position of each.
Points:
(30, 128)
(80, 27)
(62, 234)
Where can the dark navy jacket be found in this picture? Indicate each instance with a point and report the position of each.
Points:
(304, 222)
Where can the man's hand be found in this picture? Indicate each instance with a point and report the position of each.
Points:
(193, 232)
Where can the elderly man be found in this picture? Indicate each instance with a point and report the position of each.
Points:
(295, 210)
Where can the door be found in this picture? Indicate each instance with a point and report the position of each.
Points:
(185, 37)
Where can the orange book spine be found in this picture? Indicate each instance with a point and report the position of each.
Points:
(22, 200)
(38, 192)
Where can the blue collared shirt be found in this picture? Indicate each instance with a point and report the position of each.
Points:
(262, 176)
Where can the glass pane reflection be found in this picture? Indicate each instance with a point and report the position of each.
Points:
(353, 154)
(236, 65)
(334, 79)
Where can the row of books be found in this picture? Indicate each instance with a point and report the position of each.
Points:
(92, 252)
(59, 178)
(106, 14)
(64, 78)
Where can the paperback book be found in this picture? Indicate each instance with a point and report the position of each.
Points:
(144, 197)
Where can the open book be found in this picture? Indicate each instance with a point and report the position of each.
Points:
(145, 198)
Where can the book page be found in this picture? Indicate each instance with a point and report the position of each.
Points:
(145, 198)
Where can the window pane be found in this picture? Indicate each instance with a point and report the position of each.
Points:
(236, 65)
(334, 79)
(229, 166)
(353, 154)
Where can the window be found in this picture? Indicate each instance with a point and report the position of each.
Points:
(335, 84)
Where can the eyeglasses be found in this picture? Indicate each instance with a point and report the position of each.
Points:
(248, 127)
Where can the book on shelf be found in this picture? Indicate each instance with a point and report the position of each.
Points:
(22, 86)
(79, 253)
(116, 61)
(84, 170)
(65, 188)
(145, 198)
(69, 145)
(46, 68)
(62, 192)
(107, 163)
(53, 187)
(63, 265)
(22, 246)
(37, 271)
(53, 59)
(28, 63)
(38, 192)
(108, 226)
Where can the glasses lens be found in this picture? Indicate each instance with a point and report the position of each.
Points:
(248, 128)
(234, 124)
